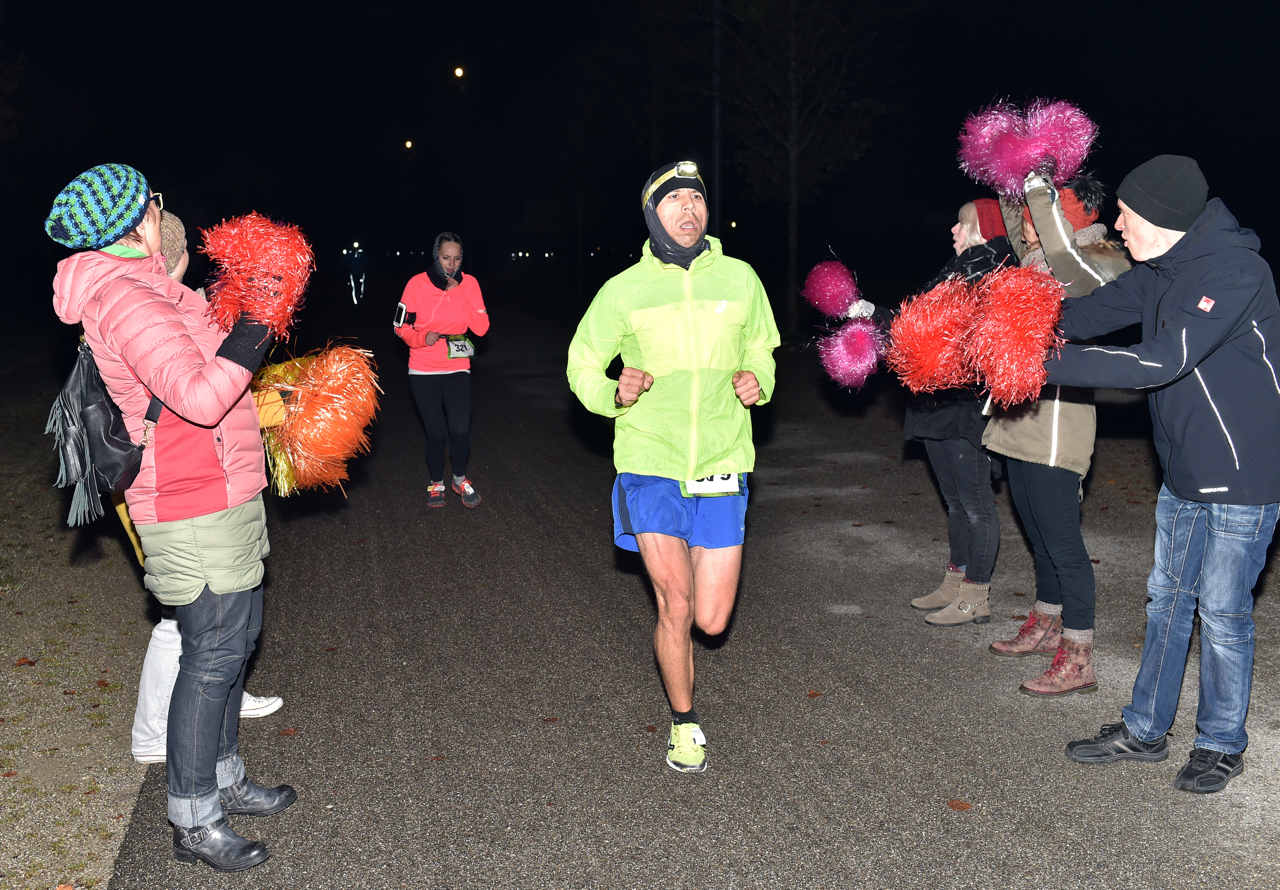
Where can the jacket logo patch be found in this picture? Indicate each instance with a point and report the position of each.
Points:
(1205, 304)
(721, 306)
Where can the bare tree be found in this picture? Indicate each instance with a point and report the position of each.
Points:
(797, 74)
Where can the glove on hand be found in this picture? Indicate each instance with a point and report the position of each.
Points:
(1036, 181)
(861, 309)
(247, 343)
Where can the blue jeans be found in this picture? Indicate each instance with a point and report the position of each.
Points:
(219, 631)
(973, 525)
(1210, 553)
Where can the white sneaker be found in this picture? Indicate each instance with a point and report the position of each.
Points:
(158, 757)
(259, 706)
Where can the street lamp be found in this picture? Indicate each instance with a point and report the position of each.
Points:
(408, 143)
(457, 72)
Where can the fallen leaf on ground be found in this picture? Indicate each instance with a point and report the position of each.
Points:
(332, 649)
(1019, 617)
(24, 661)
(824, 743)
(103, 684)
(813, 693)
(550, 719)
(651, 729)
(1095, 561)
(1018, 593)
(437, 757)
(288, 730)
(9, 775)
(68, 692)
(959, 805)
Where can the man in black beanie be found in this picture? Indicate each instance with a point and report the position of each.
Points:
(1207, 304)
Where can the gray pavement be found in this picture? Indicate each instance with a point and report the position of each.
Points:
(476, 703)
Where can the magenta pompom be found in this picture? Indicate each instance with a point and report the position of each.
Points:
(851, 354)
(1000, 145)
(831, 289)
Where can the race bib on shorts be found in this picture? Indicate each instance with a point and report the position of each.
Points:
(460, 347)
(721, 483)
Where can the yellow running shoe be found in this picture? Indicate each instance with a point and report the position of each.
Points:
(686, 752)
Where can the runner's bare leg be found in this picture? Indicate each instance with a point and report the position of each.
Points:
(692, 585)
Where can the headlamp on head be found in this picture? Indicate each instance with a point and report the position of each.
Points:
(679, 170)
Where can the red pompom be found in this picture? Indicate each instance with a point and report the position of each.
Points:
(851, 354)
(1015, 329)
(831, 289)
(263, 268)
(928, 337)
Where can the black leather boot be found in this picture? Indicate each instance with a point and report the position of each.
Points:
(217, 846)
(248, 799)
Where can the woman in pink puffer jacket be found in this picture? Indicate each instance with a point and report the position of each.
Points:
(197, 501)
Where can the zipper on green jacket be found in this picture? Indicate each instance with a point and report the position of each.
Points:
(694, 358)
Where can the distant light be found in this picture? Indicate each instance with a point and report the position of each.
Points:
(733, 225)
(408, 143)
(546, 255)
(344, 251)
(355, 244)
(457, 72)
(397, 253)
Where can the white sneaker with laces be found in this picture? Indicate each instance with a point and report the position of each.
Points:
(259, 705)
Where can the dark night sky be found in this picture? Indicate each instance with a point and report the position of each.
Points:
(301, 111)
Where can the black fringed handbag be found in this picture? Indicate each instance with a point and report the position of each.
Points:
(94, 450)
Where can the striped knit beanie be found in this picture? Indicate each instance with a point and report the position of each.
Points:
(99, 207)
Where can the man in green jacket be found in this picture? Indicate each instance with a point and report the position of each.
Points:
(696, 335)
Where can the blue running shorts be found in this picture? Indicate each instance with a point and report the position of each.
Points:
(655, 504)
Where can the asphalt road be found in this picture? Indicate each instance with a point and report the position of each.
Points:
(472, 701)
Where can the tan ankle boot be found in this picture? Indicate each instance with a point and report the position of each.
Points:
(947, 591)
(1071, 671)
(969, 605)
(1039, 635)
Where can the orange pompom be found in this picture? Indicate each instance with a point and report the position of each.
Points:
(927, 338)
(1015, 329)
(333, 396)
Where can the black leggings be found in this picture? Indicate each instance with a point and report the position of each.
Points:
(1048, 503)
(444, 400)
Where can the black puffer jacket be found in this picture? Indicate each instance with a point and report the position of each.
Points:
(957, 413)
(1209, 315)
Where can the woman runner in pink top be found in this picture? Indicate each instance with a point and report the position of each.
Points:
(437, 309)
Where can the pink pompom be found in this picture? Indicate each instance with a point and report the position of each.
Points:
(1014, 331)
(831, 289)
(851, 354)
(1000, 146)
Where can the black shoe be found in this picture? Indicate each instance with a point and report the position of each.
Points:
(217, 846)
(247, 799)
(1208, 771)
(1113, 743)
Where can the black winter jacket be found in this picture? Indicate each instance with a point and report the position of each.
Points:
(956, 413)
(1209, 314)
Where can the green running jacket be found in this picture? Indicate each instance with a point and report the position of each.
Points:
(692, 330)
